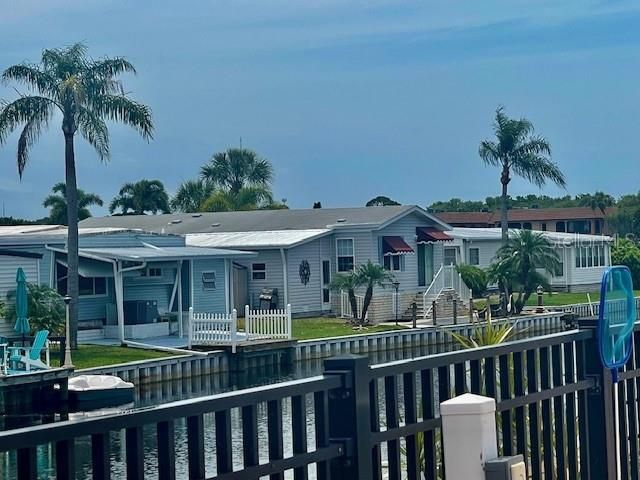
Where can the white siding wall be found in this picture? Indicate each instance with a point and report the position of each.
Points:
(209, 300)
(305, 298)
(405, 228)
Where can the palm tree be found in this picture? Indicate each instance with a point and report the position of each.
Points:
(86, 92)
(191, 196)
(140, 197)
(521, 258)
(371, 275)
(599, 200)
(247, 198)
(238, 168)
(381, 201)
(517, 150)
(57, 202)
(348, 282)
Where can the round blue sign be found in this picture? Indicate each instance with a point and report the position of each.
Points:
(617, 317)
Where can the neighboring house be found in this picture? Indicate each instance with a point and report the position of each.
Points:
(129, 280)
(584, 257)
(584, 220)
(300, 251)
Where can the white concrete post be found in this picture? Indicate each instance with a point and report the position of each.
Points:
(234, 330)
(248, 328)
(469, 433)
(190, 331)
(288, 320)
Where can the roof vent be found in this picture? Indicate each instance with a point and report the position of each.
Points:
(341, 220)
(215, 224)
(196, 215)
(177, 220)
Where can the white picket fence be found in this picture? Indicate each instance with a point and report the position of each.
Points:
(213, 329)
(345, 305)
(586, 309)
(266, 324)
(222, 328)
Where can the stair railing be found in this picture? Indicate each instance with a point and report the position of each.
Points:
(433, 290)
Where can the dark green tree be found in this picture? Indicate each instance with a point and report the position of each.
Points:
(381, 201)
(57, 203)
(86, 93)
(141, 197)
(191, 196)
(238, 168)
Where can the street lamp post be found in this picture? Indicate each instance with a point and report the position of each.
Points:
(540, 291)
(67, 347)
(396, 285)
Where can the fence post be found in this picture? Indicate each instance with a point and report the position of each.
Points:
(288, 320)
(350, 419)
(455, 311)
(234, 330)
(190, 332)
(433, 313)
(598, 408)
(469, 435)
(247, 322)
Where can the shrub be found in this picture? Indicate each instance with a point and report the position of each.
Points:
(475, 278)
(626, 252)
(46, 309)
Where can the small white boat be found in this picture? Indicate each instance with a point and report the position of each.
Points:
(99, 391)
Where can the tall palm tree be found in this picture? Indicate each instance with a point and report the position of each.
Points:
(191, 195)
(599, 200)
(371, 275)
(517, 150)
(85, 93)
(238, 168)
(140, 197)
(247, 198)
(57, 202)
(520, 261)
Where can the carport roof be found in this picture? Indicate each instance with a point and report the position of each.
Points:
(153, 253)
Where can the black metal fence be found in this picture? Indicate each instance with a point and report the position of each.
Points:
(356, 421)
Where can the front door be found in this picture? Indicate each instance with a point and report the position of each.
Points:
(326, 288)
(425, 264)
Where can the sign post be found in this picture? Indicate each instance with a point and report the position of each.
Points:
(616, 320)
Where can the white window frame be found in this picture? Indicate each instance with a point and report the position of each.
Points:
(391, 267)
(94, 295)
(353, 254)
(470, 262)
(146, 272)
(592, 256)
(254, 271)
(455, 256)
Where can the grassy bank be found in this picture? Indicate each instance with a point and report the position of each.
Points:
(322, 327)
(553, 299)
(88, 356)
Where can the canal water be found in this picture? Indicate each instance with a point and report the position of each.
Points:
(160, 393)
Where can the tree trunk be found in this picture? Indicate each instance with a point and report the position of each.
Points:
(354, 304)
(365, 304)
(72, 236)
(504, 218)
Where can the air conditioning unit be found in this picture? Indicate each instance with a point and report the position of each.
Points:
(140, 311)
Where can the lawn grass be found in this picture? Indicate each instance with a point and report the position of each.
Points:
(554, 299)
(88, 356)
(322, 327)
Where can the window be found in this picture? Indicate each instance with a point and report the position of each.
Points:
(544, 227)
(151, 272)
(560, 227)
(579, 226)
(474, 256)
(259, 271)
(91, 286)
(593, 256)
(392, 262)
(345, 254)
(526, 225)
(208, 280)
(450, 256)
(517, 225)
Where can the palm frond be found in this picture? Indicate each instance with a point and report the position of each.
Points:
(23, 110)
(94, 131)
(538, 169)
(31, 76)
(111, 67)
(489, 153)
(121, 109)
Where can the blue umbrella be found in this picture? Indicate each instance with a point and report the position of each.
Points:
(22, 308)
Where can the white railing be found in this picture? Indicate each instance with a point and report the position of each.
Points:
(585, 309)
(267, 324)
(447, 277)
(213, 329)
(345, 305)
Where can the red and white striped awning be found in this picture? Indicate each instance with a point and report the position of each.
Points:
(430, 235)
(395, 246)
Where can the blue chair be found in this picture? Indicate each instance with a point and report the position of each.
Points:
(30, 357)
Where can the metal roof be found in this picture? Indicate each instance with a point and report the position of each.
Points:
(466, 233)
(262, 220)
(151, 253)
(268, 239)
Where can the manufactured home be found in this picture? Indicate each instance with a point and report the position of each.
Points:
(132, 283)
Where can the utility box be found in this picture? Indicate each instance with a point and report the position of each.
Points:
(506, 468)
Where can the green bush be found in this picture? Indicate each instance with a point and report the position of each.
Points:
(626, 252)
(46, 309)
(475, 278)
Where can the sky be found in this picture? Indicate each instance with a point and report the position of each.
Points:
(347, 99)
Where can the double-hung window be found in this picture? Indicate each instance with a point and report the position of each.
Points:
(259, 271)
(92, 286)
(474, 256)
(393, 262)
(345, 254)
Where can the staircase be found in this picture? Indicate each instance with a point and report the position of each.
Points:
(446, 286)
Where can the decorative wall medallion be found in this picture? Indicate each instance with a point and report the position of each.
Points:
(305, 272)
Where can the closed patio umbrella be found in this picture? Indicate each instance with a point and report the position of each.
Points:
(22, 309)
